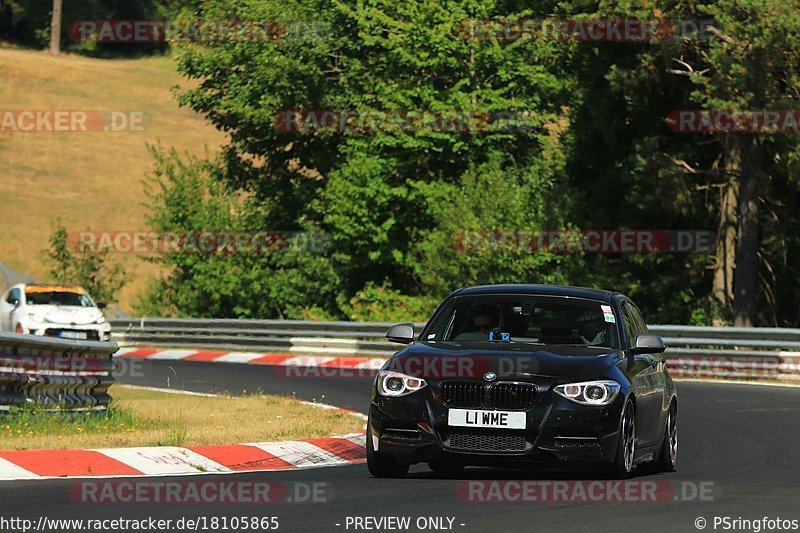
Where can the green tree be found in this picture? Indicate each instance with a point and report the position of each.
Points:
(387, 197)
(582, 142)
(751, 64)
(45, 23)
(89, 269)
(190, 196)
(636, 171)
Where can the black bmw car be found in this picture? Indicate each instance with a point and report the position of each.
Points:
(523, 375)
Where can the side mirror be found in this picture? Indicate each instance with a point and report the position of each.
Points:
(401, 333)
(101, 305)
(16, 303)
(648, 343)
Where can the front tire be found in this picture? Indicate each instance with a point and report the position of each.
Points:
(622, 466)
(381, 465)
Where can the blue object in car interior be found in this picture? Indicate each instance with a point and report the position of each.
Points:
(503, 336)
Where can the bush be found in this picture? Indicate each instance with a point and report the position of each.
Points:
(383, 304)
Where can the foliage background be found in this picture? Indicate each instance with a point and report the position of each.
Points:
(590, 151)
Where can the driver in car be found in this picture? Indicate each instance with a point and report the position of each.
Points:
(594, 331)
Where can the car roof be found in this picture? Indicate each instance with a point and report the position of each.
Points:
(541, 290)
(46, 287)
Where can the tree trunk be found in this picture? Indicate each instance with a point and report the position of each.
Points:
(722, 288)
(747, 242)
(55, 28)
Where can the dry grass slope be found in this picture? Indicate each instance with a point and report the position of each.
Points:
(87, 180)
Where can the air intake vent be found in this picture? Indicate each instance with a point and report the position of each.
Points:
(483, 442)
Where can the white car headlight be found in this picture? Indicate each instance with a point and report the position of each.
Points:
(101, 320)
(590, 392)
(36, 317)
(394, 384)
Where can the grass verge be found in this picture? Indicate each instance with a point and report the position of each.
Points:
(140, 417)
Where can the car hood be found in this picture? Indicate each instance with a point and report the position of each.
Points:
(508, 361)
(66, 315)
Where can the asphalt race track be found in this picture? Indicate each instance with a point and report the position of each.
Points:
(740, 443)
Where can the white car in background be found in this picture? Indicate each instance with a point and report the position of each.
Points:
(53, 311)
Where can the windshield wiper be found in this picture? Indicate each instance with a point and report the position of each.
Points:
(568, 344)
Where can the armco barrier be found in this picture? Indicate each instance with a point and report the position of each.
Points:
(54, 373)
(341, 338)
(726, 352)
(691, 350)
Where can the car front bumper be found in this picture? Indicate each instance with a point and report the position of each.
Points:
(415, 429)
(93, 332)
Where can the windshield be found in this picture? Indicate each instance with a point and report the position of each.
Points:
(533, 319)
(58, 298)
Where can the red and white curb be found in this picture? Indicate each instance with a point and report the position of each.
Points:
(191, 460)
(253, 358)
(783, 365)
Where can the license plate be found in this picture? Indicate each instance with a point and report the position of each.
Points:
(76, 335)
(477, 418)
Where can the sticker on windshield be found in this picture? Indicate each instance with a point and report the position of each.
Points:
(608, 314)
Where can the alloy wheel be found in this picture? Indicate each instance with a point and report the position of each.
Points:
(672, 433)
(629, 438)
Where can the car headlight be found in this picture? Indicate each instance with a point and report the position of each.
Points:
(590, 392)
(394, 384)
(36, 317)
(101, 320)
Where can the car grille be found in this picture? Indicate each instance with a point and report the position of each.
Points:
(484, 442)
(513, 395)
(477, 394)
(463, 393)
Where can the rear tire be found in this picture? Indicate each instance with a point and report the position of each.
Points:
(381, 465)
(622, 466)
(668, 456)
